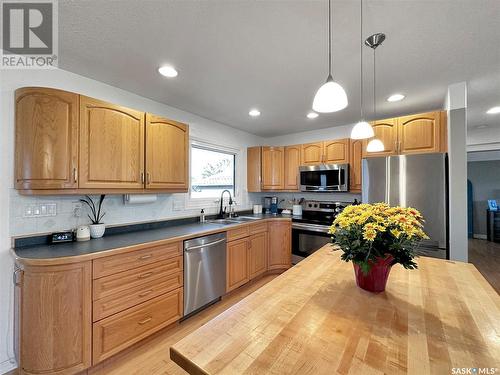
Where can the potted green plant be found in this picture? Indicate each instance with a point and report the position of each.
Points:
(375, 237)
(97, 228)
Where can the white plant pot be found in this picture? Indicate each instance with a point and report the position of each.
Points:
(97, 230)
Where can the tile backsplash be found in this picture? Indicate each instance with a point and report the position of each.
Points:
(167, 206)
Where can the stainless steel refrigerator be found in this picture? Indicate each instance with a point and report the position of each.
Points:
(418, 181)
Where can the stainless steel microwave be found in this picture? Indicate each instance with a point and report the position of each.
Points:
(324, 178)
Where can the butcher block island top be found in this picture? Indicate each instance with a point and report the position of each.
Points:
(313, 319)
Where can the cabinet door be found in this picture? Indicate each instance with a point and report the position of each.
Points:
(46, 139)
(111, 146)
(336, 151)
(356, 154)
(257, 250)
(273, 163)
(56, 319)
(292, 163)
(420, 133)
(167, 145)
(254, 170)
(237, 264)
(387, 132)
(311, 153)
(280, 245)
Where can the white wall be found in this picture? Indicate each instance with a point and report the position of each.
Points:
(457, 139)
(483, 139)
(12, 204)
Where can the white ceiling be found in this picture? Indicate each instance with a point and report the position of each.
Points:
(233, 55)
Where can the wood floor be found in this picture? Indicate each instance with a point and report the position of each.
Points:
(152, 357)
(485, 255)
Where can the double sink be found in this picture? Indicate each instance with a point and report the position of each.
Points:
(233, 220)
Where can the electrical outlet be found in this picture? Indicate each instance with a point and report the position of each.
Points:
(77, 209)
(40, 210)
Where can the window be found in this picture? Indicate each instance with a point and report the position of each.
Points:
(212, 171)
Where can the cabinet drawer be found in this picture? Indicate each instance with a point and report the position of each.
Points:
(121, 330)
(122, 262)
(258, 228)
(238, 233)
(117, 302)
(122, 281)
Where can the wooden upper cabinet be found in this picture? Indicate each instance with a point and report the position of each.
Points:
(254, 169)
(292, 163)
(46, 145)
(387, 132)
(336, 151)
(312, 153)
(55, 319)
(167, 154)
(420, 133)
(355, 162)
(111, 146)
(273, 176)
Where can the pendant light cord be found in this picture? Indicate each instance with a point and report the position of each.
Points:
(374, 85)
(361, 54)
(329, 38)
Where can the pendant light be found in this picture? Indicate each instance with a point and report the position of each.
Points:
(331, 96)
(373, 41)
(362, 130)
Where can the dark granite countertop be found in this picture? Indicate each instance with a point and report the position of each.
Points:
(123, 240)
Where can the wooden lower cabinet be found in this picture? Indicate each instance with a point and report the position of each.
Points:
(237, 264)
(121, 330)
(247, 257)
(257, 254)
(280, 245)
(54, 318)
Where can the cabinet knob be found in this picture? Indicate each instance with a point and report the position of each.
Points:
(142, 177)
(148, 178)
(75, 175)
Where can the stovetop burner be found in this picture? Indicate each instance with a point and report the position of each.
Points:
(320, 212)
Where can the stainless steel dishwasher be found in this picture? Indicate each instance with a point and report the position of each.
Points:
(204, 271)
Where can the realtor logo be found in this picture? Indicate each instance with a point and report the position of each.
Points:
(29, 34)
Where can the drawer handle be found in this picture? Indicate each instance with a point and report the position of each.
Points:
(144, 294)
(144, 321)
(144, 275)
(147, 256)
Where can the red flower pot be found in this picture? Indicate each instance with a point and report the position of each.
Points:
(376, 278)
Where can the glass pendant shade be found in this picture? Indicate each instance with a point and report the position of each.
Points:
(362, 130)
(330, 97)
(375, 145)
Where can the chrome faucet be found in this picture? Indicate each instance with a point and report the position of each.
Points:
(221, 211)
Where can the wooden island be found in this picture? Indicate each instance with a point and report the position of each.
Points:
(314, 320)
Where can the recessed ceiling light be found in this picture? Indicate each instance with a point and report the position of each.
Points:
(493, 110)
(254, 112)
(312, 115)
(168, 71)
(395, 98)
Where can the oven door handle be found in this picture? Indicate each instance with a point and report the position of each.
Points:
(311, 227)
